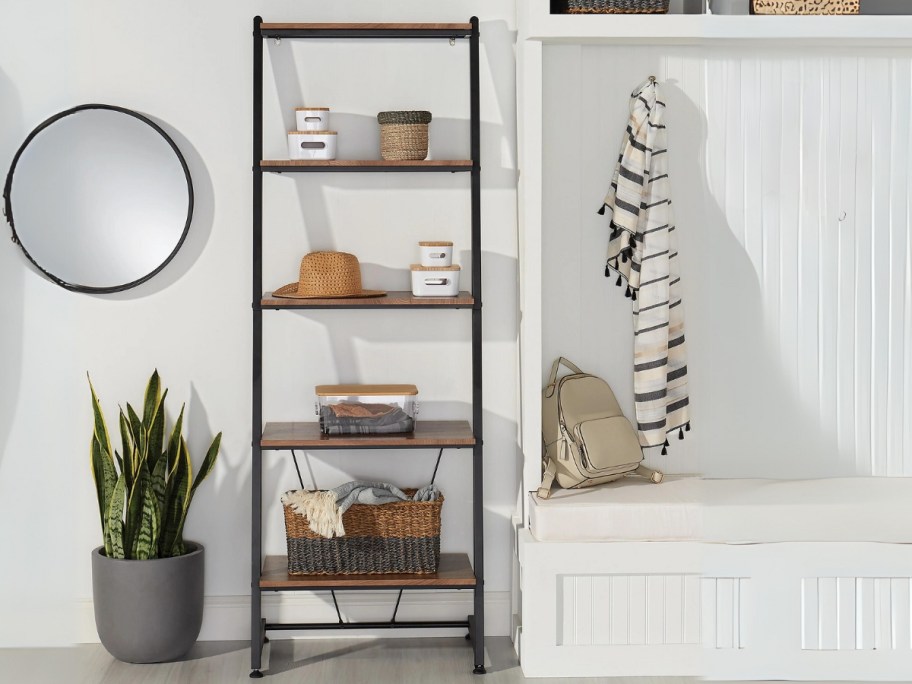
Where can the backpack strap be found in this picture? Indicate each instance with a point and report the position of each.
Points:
(544, 491)
(552, 379)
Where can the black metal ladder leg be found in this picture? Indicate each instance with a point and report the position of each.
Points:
(477, 622)
(257, 624)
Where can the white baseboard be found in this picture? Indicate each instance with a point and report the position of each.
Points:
(227, 618)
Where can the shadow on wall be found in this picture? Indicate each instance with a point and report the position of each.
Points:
(738, 371)
(200, 225)
(11, 272)
(220, 513)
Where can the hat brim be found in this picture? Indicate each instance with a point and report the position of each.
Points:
(290, 291)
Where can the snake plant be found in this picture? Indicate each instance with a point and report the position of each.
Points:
(145, 490)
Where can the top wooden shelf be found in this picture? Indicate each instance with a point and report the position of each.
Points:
(538, 24)
(365, 30)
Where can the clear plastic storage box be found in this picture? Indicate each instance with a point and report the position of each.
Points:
(366, 409)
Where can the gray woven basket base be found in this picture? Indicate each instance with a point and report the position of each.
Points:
(618, 6)
(363, 555)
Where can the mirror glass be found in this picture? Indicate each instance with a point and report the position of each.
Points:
(99, 198)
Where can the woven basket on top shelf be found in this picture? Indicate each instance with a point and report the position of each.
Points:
(404, 135)
(401, 537)
(615, 6)
(805, 6)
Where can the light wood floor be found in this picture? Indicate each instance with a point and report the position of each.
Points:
(335, 661)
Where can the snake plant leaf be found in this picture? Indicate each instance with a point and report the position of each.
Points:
(151, 400)
(101, 427)
(114, 544)
(177, 499)
(159, 484)
(174, 442)
(119, 462)
(126, 438)
(135, 503)
(139, 438)
(105, 477)
(208, 464)
(145, 538)
(155, 435)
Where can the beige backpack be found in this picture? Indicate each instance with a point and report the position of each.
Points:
(586, 440)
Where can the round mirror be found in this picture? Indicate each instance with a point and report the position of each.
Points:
(99, 198)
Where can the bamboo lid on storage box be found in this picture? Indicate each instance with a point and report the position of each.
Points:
(435, 244)
(365, 390)
(419, 267)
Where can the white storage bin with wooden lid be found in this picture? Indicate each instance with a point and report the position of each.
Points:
(436, 253)
(435, 281)
(312, 145)
(366, 409)
(312, 118)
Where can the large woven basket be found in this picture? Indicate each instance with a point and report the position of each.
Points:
(615, 6)
(805, 6)
(402, 537)
(404, 135)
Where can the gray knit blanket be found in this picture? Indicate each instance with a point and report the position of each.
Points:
(324, 508)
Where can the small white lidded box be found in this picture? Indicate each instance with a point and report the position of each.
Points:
(366, 409)
(312, 145)
(435, 281)
(436, 253)
(312, 118)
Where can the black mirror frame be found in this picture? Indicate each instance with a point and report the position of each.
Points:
(8, 208)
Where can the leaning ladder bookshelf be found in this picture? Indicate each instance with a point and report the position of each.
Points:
(456, 570)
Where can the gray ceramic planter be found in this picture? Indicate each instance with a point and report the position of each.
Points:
(148, 611)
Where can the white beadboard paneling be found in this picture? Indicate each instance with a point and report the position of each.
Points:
(828, 617)
(620, 607)
(691, 608)
(899, 613)
(708, 621)
(621, 610)
(790, 174)
(636, 607)
(810, 624)
(849, 613)
(846, 613)
(673, 622)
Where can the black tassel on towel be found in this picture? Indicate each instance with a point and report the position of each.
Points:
(627, 294)
(618, 283)
(687, 427)
(632, 242)
(664, 451)
(681, 433)
(602, 210)
(633, 295)
(607, 270)
(624, 257)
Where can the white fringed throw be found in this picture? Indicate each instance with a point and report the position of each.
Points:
(642, 251)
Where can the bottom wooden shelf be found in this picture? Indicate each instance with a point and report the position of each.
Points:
(454, 572)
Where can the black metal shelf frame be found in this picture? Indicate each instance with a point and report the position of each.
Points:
(475, 622)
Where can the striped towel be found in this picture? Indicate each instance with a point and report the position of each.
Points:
(642, 251)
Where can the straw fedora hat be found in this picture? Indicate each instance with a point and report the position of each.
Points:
(328, 274)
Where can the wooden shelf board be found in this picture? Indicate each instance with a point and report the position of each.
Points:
(398, 299)
(455, 570)
(364, 27)
(288, 165)
(427, 434)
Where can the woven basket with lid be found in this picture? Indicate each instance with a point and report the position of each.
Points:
(805, 6)
(404, 134)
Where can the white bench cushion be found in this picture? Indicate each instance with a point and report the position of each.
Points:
(728, 511)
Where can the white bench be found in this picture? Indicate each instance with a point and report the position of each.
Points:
(726, 579)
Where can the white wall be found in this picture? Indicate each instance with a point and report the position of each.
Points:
(189, 67)
(790, 176)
